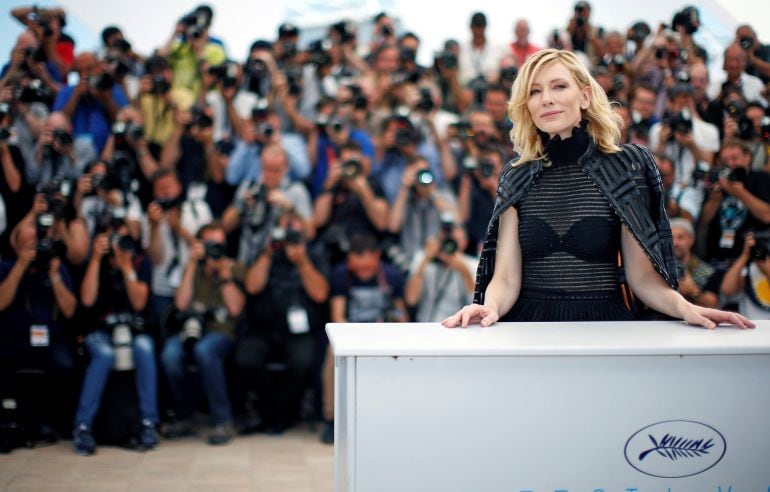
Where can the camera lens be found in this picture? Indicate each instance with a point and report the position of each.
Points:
(425, 177)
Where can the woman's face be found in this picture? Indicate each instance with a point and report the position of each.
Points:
(555, 100)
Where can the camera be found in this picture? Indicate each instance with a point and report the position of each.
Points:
(123, 242)
(446, 60)
(426, 103)
(448, 245)
(761, 250)
(123, 327)
(121, 129)
(351, 168)
(486, 168)
(463, 129)
(5, 134)
(687, 18)
(737, 174)
(215, 251)
(57, 194)
(404, 136)
(193, 322)
(200, 119)
(508, 74)
(319, 53)
(160, 85)
(407, 55)
(63, 137)
(294, 81)
(194, 24)
(168, 203)
(281, 237)
(33, 91)
(110, 219)
(336, 125)
(46, 248)
(122, 45)
(680, 122)
(425, 177)
(102, 82)
(227, 73)
(405, 77)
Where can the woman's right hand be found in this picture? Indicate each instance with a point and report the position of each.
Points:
(470, 314)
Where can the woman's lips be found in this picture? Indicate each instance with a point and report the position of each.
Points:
(550, 113)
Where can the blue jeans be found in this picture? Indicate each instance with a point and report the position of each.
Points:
(209, 355)
(102, 355)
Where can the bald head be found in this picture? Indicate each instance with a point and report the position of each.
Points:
(734, 62)
(26, 40)
(58, 121)
(85, 64)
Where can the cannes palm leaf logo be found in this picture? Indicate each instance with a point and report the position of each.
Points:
(673, 447)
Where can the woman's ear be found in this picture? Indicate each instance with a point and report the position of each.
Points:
(585, 97)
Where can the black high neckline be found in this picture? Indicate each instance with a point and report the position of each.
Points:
(566, 150)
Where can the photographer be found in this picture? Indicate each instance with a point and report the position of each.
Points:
(758, 54)
(174, 220)
(36, 299)
(476, 196)
(93, 103)
(479, 57)
(263, 129)
(364, 289)
(698, 281)
(400, 142)
(116, 288)
(209, 301)
(333, 134)
(101, 200)
(190, 149)
(749, 276)
(734, 65)
(642, 113)
(16, 195)
(57, 155)
(744, 121)
(737, 203)
(681, 201)
(351, 201)
(160, 103)
(415, 215)
(284, 322)
(259, 202)
(30, 68)
(46, 26)
(584, 37)
(684, 136)
(188, 44)
(441, 277)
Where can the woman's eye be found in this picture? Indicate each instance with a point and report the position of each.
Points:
(534, 91)
(561, 86)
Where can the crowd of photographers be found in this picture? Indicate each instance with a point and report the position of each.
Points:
(193, 221)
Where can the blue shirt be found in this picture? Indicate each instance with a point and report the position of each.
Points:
(90, 116)
(321, 169)
(391, 168)
(245, 162)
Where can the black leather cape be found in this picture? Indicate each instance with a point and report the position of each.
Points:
(630, 181)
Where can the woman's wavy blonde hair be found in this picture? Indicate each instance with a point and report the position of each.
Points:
(603, 124)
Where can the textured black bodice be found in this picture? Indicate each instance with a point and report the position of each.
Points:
(570, 239)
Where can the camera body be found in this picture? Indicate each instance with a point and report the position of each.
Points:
(351, 168)
(160, 85)
(121, 129)
(680, 122)
(761, 250)
(215, 251)
(168, 203)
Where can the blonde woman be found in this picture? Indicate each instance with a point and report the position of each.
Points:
(568, 205)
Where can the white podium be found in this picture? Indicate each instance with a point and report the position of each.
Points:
(637, 406)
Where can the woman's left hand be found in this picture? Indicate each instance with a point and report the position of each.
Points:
(710, 318)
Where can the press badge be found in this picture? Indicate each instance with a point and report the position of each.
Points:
(38, 336)
(727, 241)
(296, 317)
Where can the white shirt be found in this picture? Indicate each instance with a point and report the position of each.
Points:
(751, 87)
(485, 61)
(167, 275)
(706, 137)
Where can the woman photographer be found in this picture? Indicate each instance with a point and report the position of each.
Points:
(568, 206)
(116, 289)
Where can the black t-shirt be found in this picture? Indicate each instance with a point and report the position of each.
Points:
(763, 53)
(113, 296)
(482, 204)
(367, 300)
(192, 162)
(34, 304)
(16, 204)
(724, 241)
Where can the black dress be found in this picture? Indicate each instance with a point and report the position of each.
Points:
(570, 240)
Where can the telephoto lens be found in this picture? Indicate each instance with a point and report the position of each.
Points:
(425, 177)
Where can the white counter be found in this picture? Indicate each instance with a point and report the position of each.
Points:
(551, 406)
